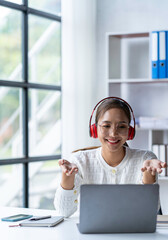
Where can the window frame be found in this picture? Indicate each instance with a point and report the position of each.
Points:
(25, 85)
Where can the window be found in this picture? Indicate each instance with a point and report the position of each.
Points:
(30, 102)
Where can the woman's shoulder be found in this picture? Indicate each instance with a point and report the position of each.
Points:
(140, 152)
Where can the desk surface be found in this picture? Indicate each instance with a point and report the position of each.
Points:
(66, 230)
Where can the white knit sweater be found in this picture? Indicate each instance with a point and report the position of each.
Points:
(92, 169)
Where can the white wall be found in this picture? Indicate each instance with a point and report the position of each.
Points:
(78, 72)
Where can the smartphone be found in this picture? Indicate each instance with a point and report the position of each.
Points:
(17, 217)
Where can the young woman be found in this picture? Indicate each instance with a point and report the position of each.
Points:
(112, 163)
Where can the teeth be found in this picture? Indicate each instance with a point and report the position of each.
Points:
(113, 141)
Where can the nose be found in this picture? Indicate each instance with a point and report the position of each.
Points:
(113, 131)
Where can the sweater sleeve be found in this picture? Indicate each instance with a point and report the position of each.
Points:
(149, 155)
(66, 201)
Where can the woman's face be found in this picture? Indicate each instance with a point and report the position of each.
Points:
(112, 129)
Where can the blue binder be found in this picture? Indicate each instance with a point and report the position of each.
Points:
(166, 54)
(155, 54)
(162, 54)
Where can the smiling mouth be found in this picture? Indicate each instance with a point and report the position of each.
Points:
(113, 141)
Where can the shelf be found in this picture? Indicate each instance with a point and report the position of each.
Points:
(163, 178)
(133, 81)
(128, 76)
(151, 129)
(128, 35)
(128, 56)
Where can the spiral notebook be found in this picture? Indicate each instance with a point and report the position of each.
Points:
(49, 222)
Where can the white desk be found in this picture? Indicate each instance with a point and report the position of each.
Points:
(67, 230)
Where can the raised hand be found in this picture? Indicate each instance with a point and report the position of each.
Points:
(68, 168)
(153, 166)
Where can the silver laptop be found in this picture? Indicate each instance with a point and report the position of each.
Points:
(127, 208)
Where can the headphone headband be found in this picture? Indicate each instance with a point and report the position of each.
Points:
(93, 127)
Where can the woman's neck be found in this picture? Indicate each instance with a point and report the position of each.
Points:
(113, 158)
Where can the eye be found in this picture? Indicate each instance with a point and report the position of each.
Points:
(106, 126)
(122, 126)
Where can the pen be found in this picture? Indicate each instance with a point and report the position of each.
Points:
(14, 225)
(39, 218)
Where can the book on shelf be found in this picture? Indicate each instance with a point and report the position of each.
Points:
(155, 54)
(162, 54)
(159, 54)
(162, 157)
(49, 222)
(161, 152)
(162, 221)
(155, 150)
(166, 160)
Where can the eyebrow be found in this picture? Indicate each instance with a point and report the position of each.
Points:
(117, 122)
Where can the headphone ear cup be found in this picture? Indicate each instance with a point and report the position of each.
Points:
(93, 130)
(131, 133)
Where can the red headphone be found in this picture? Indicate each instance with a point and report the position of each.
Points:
(93, 127)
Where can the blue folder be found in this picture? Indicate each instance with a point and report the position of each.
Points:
(162, 54)
(155, 54)
(166, 54)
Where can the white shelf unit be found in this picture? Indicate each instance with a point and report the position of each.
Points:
(129, 77)
(138, 81)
